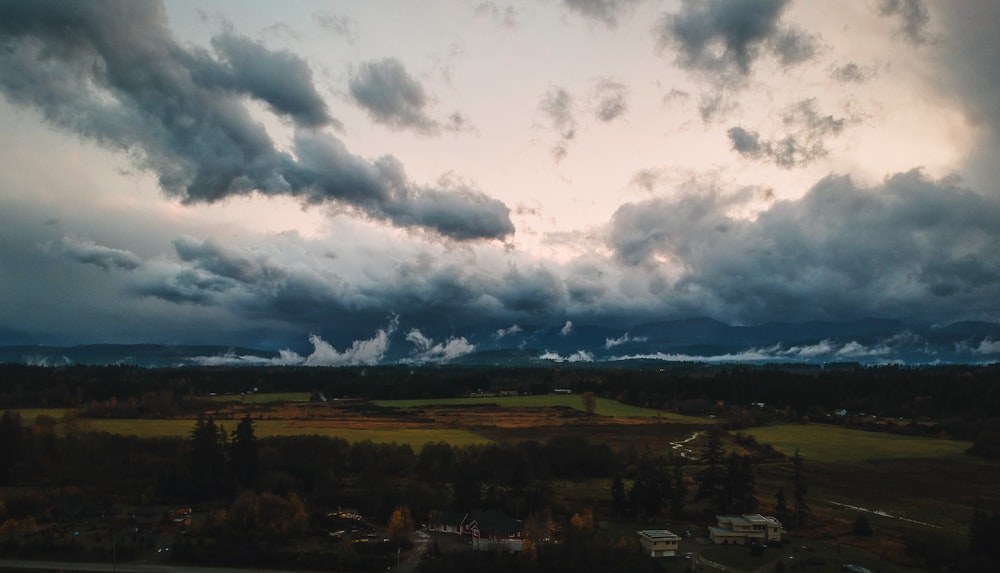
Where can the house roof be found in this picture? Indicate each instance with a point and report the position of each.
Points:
(748, 518)
(658, 534)
(452, 518)
(496, 523)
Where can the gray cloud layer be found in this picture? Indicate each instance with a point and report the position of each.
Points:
(105, 257)
(391, 96)
(912, 17)
(612, 100)
(911, 247)
(557, 104)
(803, 144)
(113, 73)
(722, 37)
(606, 11)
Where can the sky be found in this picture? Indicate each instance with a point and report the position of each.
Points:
(329, 175)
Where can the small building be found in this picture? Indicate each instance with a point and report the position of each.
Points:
(447, 521)
(745, 529)
(659, 542)
(487, 530)
(161, 518)
(492, 530)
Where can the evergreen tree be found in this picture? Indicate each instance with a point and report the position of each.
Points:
(10, 444)
(746, 487)
(654, 486)
(243, 453)
(678, 488)
(983, 534)
(712, 477)
(618, 499)
(781, 505)
(208, 456)
(862, 527)
(799, 490)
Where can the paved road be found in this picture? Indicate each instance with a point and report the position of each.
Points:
(409, 565)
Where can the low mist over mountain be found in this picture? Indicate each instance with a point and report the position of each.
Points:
(869, 341)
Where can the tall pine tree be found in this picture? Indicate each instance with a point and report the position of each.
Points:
(243, 453)
(799, 490)
(711, 478)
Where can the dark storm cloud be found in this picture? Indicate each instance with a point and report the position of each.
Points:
(606, 11)
(557, 104)
(911, 15)
(535, 290)
(726, 36)
(251, 283)
(969, 62)
(802, 145)
(281, 79)
(391, 96)
(93, 254)
(185, 287)
(112, 72)
(612, 100)
(909, 248)
(431, 291)
(224, 263)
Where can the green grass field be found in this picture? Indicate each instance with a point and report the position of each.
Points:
(28, 415)
(605, 407)
(823, 443)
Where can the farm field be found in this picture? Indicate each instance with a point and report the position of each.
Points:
(825, 443)
(181, 427)
(459, 422)
(605, 406)
(263, 398)
(901, 483)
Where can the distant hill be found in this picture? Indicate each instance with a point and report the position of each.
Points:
(868, 341)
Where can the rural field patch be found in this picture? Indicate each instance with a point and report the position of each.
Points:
(416, 438)
(605, 406)
(823, 443)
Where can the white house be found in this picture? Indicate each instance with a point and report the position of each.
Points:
(659, 542)
(745, 529)
(488, 530)
(448, 521)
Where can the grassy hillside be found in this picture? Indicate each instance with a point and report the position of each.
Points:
(825, 443)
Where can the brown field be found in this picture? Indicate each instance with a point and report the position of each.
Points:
(493, 423)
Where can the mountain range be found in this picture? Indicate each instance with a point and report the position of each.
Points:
(868, 341)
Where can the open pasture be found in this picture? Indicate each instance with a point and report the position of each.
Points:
(29, 415)
(605, 406)
(825, 443)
